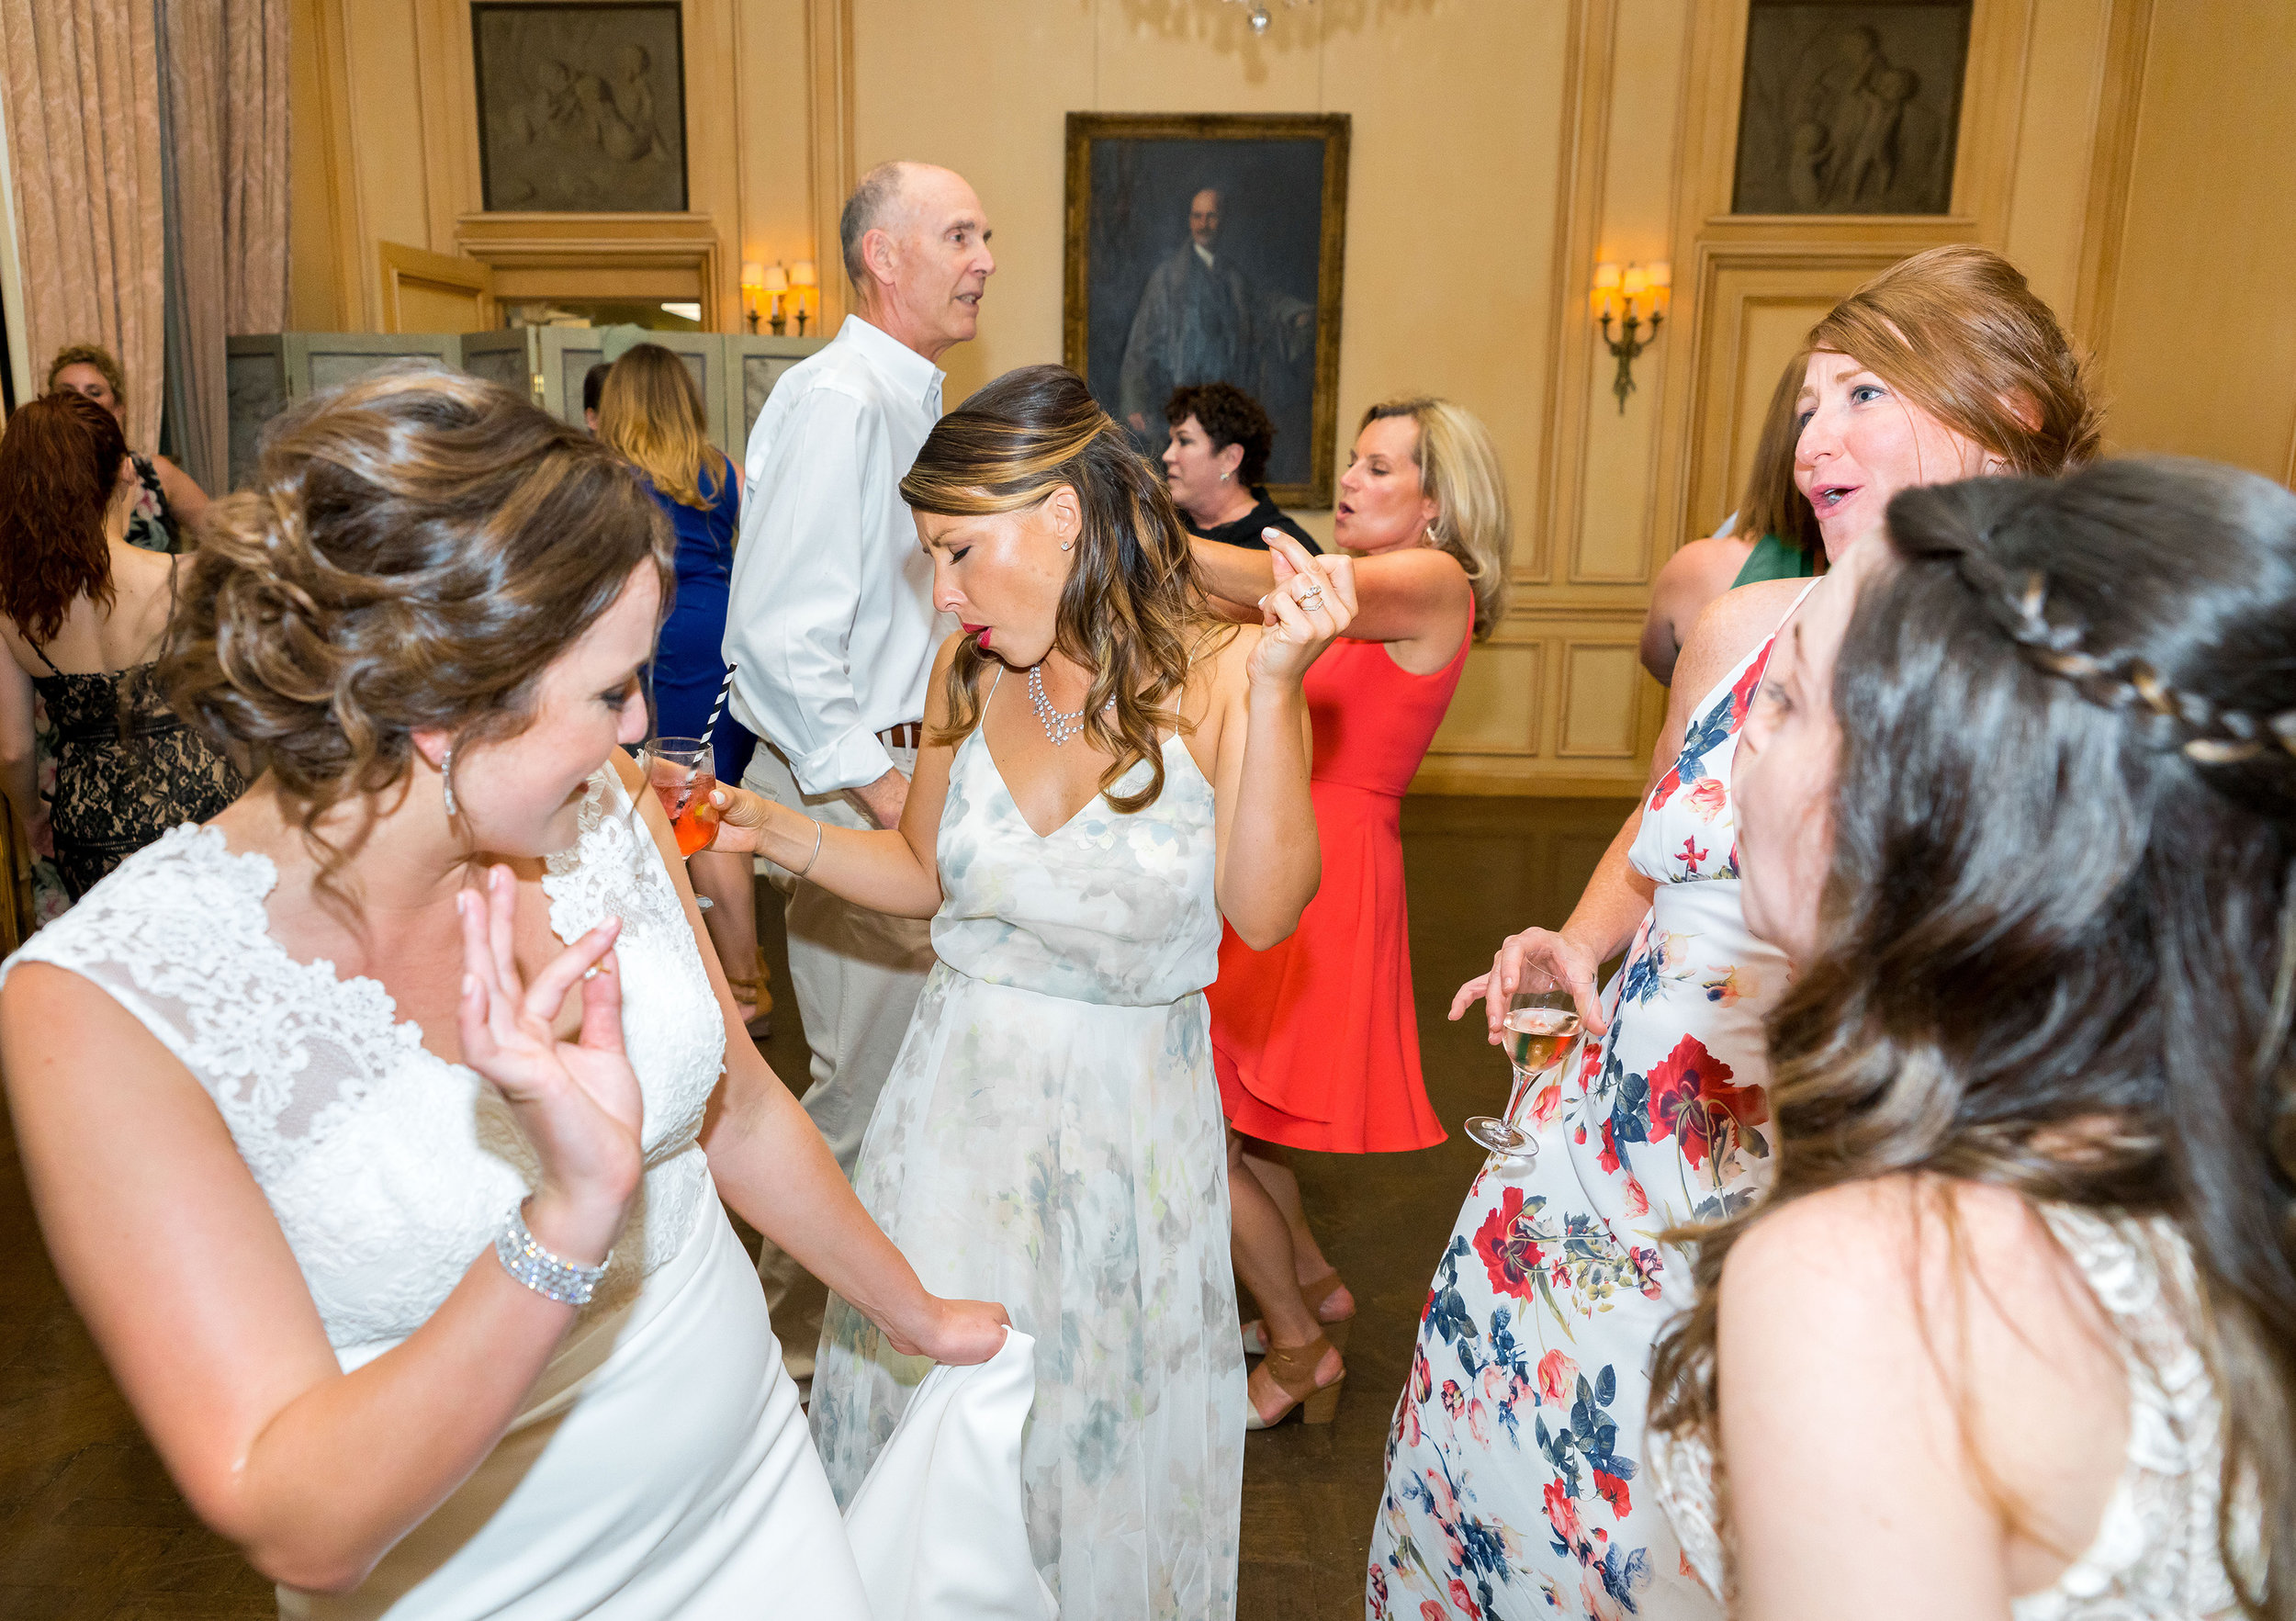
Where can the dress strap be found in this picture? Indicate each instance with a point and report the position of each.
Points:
(43, 656)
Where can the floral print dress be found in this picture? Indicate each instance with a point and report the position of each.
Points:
(1050, 1137)
(1516, 1485)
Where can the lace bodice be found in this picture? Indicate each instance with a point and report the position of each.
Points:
(387, 1167)
(1109, 908)
(2154, 1556)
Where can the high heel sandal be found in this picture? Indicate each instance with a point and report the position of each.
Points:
(1312, 1294)
(1293, 1369)
(754, 992)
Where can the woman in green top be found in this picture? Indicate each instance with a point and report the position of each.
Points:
(1773, 510)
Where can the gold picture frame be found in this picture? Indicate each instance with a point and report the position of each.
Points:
(1162, 285)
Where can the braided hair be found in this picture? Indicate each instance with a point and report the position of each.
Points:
(2056, 939)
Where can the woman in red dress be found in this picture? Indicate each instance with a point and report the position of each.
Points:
(1315, 1041)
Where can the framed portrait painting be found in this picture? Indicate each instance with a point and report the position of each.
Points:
(1208, 248)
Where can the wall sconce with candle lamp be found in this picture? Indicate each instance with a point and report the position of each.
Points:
(776, 286)
(752, 290)
(1637, 298)
(803, 280)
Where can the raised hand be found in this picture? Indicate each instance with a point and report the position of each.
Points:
(1535, 960)
(1314, 600)
(578, 1102)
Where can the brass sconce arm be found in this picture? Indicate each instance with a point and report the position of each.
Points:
(1635, 297)
(1626, 346)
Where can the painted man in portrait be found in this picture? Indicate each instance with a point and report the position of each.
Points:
(1201, 319)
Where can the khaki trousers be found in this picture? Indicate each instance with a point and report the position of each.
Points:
(857, 975)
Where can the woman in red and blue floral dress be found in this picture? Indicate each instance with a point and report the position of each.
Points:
(1514, 1482)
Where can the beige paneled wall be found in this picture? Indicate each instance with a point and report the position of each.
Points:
(385, 144)
(2200, 352)
(2133, 156)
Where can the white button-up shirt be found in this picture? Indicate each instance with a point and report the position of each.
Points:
(830, 624)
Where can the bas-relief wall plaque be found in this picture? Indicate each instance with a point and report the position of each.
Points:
(1851, 108)
(581, 108)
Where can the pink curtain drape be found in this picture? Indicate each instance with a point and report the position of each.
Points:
(226, 134)
(84, 146)
(255, 165)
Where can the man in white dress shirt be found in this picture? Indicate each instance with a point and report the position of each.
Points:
(831, 630)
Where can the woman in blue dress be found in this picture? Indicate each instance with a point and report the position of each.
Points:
(650, 413)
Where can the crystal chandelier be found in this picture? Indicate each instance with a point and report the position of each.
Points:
(1258, 10)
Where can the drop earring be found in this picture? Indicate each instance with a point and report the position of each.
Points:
(446, 776)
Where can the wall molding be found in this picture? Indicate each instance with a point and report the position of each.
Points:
(546, 255)
(1592, 53)
(830, 139)
(2119, 100)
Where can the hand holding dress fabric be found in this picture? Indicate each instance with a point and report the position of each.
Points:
(957, 1334)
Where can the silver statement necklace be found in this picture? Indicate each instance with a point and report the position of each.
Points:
(1059, 725)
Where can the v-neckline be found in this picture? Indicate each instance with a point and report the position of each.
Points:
(1005, 787)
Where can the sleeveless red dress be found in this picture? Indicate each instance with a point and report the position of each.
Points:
(1316, 1043)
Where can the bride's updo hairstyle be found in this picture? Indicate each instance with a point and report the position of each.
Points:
(1128, 613)
(1956, 331)
(417, 547)
(2056, 944)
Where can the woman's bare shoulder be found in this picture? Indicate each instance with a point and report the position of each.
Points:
(1704, 568)
(1731, 626)
(1220, 652)
(1896, 1258)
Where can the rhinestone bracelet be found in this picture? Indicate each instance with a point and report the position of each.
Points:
(538, 1269)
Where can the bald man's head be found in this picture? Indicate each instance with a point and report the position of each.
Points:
(915, 242)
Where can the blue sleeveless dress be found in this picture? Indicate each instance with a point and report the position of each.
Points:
(690, 660)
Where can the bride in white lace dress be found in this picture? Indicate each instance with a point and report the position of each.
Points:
(2017, 798)
(377, 1127)
(1105, 775)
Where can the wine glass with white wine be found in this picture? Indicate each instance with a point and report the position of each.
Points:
(1539, 1027)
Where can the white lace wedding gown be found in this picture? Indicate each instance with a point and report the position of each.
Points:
(662, 1468)
(1051, 1137)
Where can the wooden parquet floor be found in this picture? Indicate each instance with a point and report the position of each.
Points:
(92, 1529)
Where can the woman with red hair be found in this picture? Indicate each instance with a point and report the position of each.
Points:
(84, 611)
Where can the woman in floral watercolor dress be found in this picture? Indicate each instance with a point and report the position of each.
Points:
(1515, 1481)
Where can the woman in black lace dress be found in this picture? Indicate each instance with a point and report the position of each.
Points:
(84, 611)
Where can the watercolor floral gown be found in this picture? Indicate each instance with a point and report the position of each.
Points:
(1514, 1478)
(1050, 1137)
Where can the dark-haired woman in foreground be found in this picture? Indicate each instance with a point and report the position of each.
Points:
(2014, 1333)
(1051, 1132)
(84, 610)
(366, 1124)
